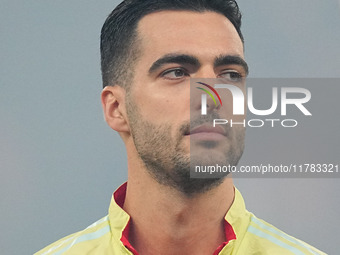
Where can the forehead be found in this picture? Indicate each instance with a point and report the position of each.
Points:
(198, 33)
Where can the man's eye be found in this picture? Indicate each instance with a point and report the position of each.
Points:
(233, 76)
(174, 74)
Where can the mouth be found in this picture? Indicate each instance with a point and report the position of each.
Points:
(207, 132)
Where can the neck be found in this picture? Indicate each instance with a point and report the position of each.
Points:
(165, 221)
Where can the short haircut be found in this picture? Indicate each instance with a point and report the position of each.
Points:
(119, 36)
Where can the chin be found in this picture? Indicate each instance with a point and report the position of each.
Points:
(209, 158)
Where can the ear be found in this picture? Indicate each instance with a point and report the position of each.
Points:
(113, 102)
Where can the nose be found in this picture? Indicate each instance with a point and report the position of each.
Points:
(205, 72)
(203, 97)
(209, 100)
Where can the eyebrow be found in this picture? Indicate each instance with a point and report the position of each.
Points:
(174, 59)
(231, 60)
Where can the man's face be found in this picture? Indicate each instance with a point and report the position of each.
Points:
(176, 46)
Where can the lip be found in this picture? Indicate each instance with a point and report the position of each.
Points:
(207, 132)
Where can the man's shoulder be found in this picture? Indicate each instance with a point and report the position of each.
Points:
(260, 235)
(80, 242)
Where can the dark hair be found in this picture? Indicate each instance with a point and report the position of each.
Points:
(118, 45)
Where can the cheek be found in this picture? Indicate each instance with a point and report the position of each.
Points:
(229, 102)
(163, 106)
